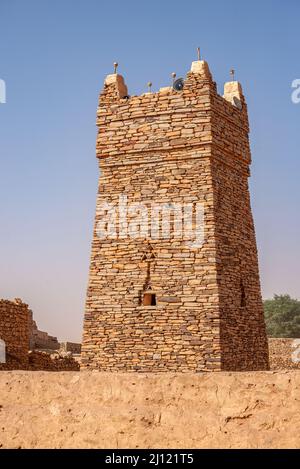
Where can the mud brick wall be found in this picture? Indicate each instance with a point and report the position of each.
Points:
(284, 354)
(14, 317)
(167, 147)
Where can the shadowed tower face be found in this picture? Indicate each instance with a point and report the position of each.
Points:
(174, 282)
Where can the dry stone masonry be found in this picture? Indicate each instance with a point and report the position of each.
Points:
(40, 339)
(21, 342)
(56, 361)
(14, 332)
(284, 353)
(163, 304)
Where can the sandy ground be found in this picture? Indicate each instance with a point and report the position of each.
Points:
(103, 410)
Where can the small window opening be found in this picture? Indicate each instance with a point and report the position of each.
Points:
(243, 296)
(149, 299)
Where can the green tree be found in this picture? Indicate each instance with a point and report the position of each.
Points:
(282, 316)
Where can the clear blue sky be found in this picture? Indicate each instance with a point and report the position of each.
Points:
(54, 56)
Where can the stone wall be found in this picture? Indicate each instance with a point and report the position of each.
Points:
(243, 335)
(284, 353)
(14, 316)
(39, 360)
(40, 339)
(175, 147)
(24, 341)
(72, 347)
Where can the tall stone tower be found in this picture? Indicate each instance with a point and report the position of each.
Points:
(162, 297)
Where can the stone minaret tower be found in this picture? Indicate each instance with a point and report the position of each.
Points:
(162, 302)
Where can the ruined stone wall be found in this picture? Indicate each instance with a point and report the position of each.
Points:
(40, 339)
(284, 353)
(21, 336)
(165, 147)
(14, 317)
(38, 360)
(72, 347)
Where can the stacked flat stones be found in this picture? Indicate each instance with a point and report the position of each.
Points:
(182, 147)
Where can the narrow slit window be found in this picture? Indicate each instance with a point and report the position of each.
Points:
(243, 296)
(149, 299)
